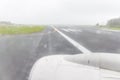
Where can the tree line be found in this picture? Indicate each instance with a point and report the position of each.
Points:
(114, 22)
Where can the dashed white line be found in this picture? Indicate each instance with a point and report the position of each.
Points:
(71, 30)
(103, 32)
(45, 46)
(65, 30)
(98, 32)
(73, 42)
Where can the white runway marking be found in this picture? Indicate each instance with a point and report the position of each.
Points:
(98, 32)
(71, 30)
(103, 32)
(45, 46)
(65, 30)
(73, 42)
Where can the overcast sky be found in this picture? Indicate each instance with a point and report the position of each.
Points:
(59, 11)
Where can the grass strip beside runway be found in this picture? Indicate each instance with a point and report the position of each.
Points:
(20, 29)
(114, 28)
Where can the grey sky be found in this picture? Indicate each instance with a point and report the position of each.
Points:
(59, 11)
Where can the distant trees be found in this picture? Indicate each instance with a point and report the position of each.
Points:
(97, 24)
(5, 23)
(114, 22)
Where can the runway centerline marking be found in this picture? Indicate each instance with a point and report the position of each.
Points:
(73, 42)
(71, 30)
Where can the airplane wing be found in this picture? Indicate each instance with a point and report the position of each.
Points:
(77, 67)
(109, 75)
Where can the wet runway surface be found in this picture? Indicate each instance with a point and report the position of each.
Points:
(18, 53)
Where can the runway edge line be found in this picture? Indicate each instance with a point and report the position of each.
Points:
(73, 42)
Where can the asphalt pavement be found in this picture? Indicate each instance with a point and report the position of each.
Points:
(18, 53)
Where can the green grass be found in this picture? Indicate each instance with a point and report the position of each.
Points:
(110, 27)
(114, 28)
(20, 29)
